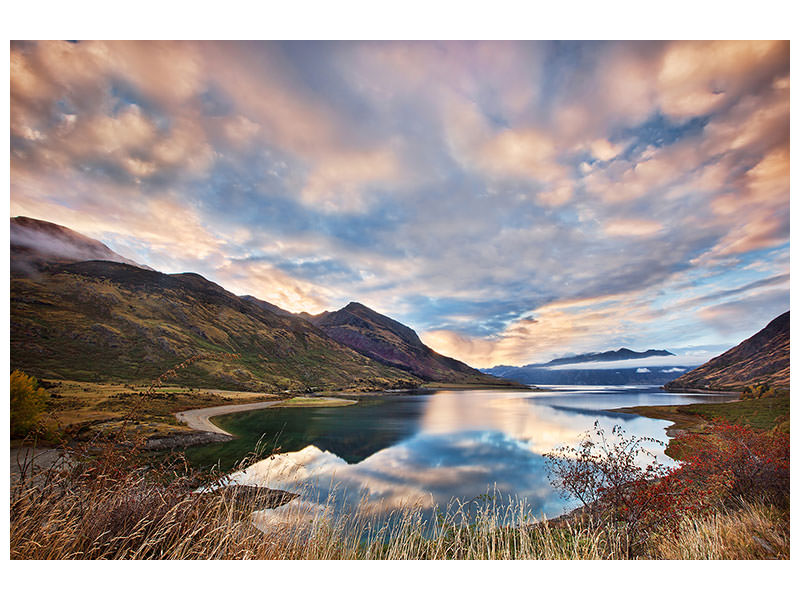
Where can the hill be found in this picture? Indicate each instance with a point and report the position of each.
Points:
(387, 341)
(108, 321)
(762, 358)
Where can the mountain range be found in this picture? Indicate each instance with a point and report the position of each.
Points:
(608, 356)
(557, 371)
(762, 358)
(587, 376)
(80, 311)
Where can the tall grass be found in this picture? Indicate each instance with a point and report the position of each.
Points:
(94, 511)
(752, 530)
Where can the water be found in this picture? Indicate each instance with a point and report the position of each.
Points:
(388, 452)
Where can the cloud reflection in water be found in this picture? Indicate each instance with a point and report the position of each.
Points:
(468, 443)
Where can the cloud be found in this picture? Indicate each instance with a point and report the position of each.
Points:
(632, 227)
(608, 191)
(698, 78)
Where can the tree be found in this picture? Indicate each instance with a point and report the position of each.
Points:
(27, 403)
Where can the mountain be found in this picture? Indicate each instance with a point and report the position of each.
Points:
(617, 376)
(36, 243)
(610, 355)
(545, 374)
(108, 321)
(267, 306)
(113, 320)
(762, 358)
(387, 341)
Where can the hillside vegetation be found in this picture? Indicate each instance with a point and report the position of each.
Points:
(760, 359)
(80, 311)
(108, 321)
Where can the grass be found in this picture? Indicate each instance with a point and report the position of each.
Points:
(82, 409)
(750, 531)
(108, 508)
(766, 411)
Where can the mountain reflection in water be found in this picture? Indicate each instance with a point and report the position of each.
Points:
(395, 451)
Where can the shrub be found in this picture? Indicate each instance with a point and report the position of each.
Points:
(741, 461)
(27, 404)
(620, 481)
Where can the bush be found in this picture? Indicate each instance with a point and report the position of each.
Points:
(742, 462)
(27, 404)
(621, 482)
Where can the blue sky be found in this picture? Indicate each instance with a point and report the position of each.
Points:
(512, 202)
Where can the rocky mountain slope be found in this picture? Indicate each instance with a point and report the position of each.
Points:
(762, 358)
(392, 343)
(108, 321)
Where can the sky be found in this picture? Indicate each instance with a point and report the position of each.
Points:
(512, 202)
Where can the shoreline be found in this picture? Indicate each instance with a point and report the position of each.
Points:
(701, 391)
(199, 418)
(681, 422)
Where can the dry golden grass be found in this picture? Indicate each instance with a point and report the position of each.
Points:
(748, 531)
(108, 508)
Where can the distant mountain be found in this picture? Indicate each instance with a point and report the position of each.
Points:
(618, 376)
(383, 339)
(36, 243)
(762, 358)
(544, 374)
(610, 355)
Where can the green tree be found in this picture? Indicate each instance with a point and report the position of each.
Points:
(27, 404)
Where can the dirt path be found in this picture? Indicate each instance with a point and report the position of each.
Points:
(198, 419)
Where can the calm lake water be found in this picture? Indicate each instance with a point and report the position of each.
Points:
(427, 449)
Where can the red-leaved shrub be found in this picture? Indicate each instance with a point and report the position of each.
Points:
(619, 481)
(739, 461)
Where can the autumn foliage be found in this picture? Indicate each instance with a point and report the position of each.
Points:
(619, 481)
(27, 401)
(740, 461)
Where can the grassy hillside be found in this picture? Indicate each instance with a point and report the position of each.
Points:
(107, 321)
(760, 359)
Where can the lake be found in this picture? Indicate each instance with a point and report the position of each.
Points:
(426, 449)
